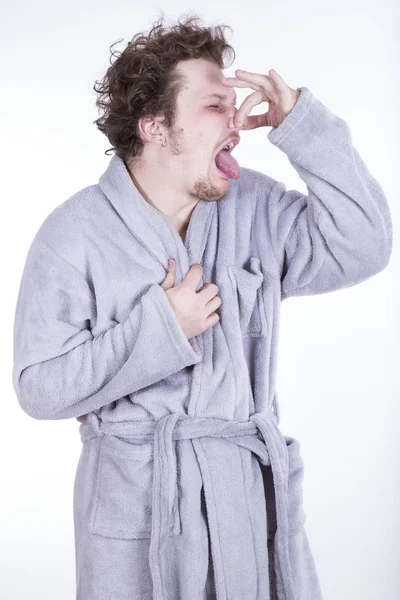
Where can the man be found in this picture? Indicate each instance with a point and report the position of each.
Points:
(186, 488)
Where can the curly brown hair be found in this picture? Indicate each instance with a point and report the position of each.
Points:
(143, 80)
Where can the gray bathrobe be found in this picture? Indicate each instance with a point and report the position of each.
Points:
(186, 488)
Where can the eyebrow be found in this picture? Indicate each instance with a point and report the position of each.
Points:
(220, 96)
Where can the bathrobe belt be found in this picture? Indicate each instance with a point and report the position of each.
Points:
(270, 447)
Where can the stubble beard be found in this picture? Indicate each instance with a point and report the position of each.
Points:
(203, 187)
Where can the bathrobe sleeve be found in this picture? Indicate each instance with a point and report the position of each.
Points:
(340, 233)
(61, 369)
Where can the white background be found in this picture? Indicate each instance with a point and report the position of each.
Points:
(338, 376)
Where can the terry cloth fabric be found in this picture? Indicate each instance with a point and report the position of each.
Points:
(186, 487)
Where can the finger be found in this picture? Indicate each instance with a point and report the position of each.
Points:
(213, 304)
(193, 276)
(254, 121)
(235, 82)
(248, 104)
(277, 79)
(269, 90)
(208, 292)
(169, 280)
(256, 78)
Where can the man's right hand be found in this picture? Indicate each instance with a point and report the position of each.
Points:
(194, 310)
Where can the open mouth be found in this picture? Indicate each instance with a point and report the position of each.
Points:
(229, 146)
(225, 163)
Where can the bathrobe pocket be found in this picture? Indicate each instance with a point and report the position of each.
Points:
(247, 286)
(123, 491)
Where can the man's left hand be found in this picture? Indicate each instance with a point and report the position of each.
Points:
(269, 88)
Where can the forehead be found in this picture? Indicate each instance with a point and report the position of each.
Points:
(204, 81)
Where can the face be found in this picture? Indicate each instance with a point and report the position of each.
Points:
(203, 125)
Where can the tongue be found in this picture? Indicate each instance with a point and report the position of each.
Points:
(227, 164)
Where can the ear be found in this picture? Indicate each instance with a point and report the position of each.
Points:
(151, 129)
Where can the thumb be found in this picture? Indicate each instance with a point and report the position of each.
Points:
(169, 280)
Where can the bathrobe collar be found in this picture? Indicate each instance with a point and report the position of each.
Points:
(150, 227)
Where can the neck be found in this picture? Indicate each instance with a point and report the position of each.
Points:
(162, 197)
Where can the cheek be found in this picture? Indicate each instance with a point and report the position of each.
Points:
(202, 141)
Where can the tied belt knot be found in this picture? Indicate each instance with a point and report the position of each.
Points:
(260, 434)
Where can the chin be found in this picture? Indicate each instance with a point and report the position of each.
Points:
(212, 187)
